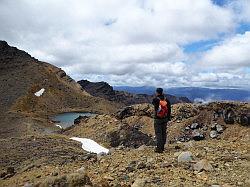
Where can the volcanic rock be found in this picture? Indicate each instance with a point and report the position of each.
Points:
(213, 134)
(129, 137)
(219, 128)
(194, 126)
(203, 165)
(185, 157)
(197, 135)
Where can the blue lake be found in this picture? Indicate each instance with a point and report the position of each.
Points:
(67, 119)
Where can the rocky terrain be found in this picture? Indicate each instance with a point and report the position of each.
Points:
(189, 122)
(21, 76)
(189, 159)
(104, 90)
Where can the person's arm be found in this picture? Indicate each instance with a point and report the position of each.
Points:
(169, 110)
(156, 103)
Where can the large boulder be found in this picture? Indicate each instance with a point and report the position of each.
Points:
(244, 119)
(229, 116)
(135, 110)
(185, 157)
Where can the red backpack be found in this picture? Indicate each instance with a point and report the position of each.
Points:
(163, 109)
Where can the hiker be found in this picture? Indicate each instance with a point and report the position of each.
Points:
(162, 109)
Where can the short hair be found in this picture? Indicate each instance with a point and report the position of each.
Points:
(159, 91)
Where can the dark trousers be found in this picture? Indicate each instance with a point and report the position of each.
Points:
(160, 126)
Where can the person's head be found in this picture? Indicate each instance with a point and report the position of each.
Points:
(159, 91)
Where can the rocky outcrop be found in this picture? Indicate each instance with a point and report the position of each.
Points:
(211, 120)
(104, 90)
(135, 110)
(129, 136)
(135, 122)
(232, 112)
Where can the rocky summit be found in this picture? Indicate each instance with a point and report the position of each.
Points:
(207, 144)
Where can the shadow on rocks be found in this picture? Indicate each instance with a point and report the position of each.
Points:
(129, 136)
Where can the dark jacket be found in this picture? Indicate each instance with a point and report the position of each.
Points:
(156, 102)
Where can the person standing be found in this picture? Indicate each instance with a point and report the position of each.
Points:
(162, 108)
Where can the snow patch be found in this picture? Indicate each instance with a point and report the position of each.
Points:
(91, 146)
(59, 126)
(40, 92)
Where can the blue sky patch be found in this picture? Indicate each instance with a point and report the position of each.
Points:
(243, 27)
(220, 2)
(200, 46)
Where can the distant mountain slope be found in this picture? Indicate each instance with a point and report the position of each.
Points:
(104, 90)
(21, 76)
(207, 94)
(195, 93)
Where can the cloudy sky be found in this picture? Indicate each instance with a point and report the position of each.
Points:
(169, 43)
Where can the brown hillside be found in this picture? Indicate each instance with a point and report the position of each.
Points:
(22, 75)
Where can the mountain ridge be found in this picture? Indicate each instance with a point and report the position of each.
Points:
(106, 91)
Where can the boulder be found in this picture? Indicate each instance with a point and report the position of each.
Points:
(244, 120)
(195, 126)
(141, 165)
(229, 116)
(213, 134)
(213, 126)
(219, 128)
(205, 128)
(203, 165)
(197, 135)
(185, 157)
(135, 110)
(184, 138)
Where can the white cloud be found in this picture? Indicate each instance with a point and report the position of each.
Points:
(233, 52)
(205, 77)
(133, 42)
